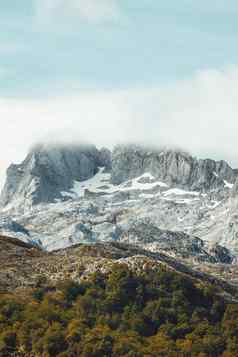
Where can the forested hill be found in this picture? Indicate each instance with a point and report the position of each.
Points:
(111, 300)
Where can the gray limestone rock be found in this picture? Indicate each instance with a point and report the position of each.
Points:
(234, 190)
(176, 168)
(9, 225)
(147, 235)
(179, 221)
(105, 159)
(48, 171)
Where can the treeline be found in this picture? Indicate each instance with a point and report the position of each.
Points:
(121, 314)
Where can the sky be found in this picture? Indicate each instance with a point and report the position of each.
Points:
(109, 71)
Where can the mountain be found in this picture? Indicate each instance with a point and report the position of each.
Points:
(50, 170)
(160, 200)
(175, 168)
(104, 253)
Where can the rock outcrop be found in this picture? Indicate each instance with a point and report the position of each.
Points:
(145, 234)
(48, 171)
(176, 168)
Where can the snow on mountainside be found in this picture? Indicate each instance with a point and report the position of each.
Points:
(175, 168)
(159, 200)
(101, 184)
(51, 173)
(47, 171)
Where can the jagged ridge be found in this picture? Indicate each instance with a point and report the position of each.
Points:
(176, 168)
(48, 170)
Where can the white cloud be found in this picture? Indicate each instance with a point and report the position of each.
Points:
(199, 114)
(93, 11)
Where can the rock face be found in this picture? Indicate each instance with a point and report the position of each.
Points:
(160, 200)
(179, 244)
(172, 167)
(48, 171)
(105, 159)
(9, 225)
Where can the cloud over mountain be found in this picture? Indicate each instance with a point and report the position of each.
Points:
(198, 114)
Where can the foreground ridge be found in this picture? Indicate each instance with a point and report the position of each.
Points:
(112, 300)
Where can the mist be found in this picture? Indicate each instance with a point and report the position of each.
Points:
(198, 114)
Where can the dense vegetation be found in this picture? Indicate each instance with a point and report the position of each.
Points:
(121, 314)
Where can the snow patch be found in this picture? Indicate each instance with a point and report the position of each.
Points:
(146, 195)
(179, 192)
(228, 184)
(93, 184)
(215, 204)
(100, 183)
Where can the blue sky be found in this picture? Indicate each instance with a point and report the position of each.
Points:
(46, 48)
(109, 71)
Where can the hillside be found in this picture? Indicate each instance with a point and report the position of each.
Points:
(111, 300)
(24, 265)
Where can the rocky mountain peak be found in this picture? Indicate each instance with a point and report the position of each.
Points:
(49, 170)
(174, 167)
(160, 199)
